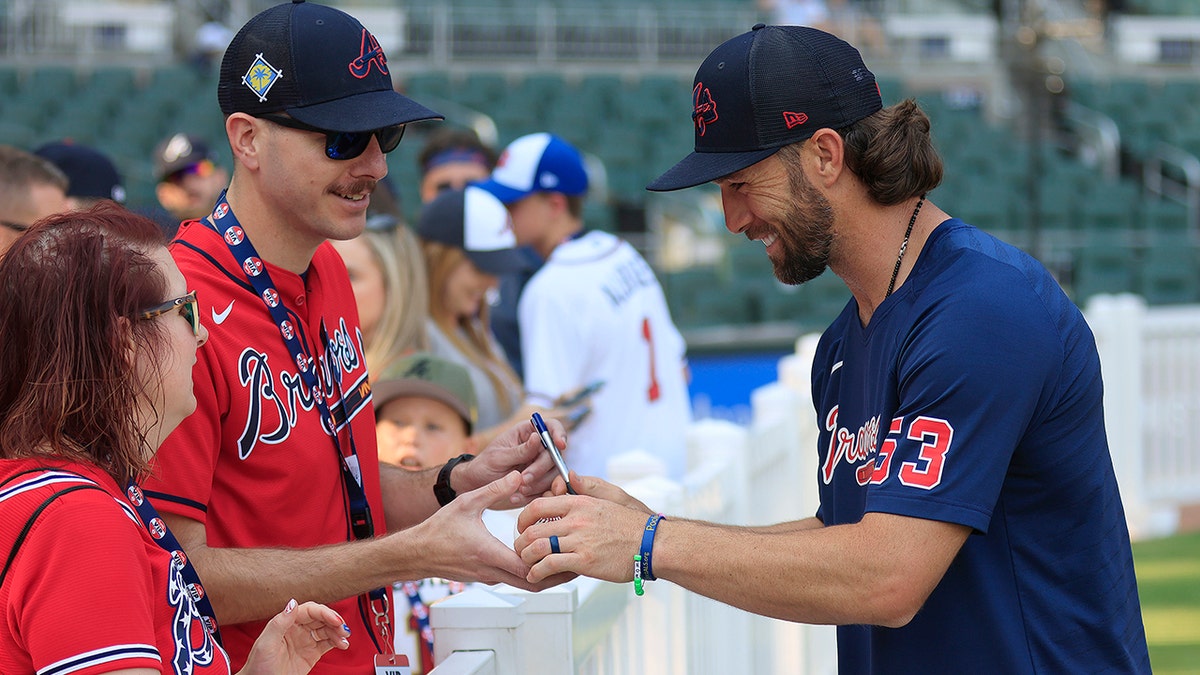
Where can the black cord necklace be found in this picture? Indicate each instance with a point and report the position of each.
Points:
(903, 247)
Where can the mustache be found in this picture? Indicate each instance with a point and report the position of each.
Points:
(362, 185)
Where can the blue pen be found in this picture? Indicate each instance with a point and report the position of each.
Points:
(548, 443)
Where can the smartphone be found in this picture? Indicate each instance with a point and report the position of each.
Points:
(581, 394)
(576, 417)
(544, 434)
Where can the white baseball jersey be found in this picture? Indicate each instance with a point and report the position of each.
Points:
(593, 312)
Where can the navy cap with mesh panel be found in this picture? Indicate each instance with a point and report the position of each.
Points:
(317, 64)
(767, 88)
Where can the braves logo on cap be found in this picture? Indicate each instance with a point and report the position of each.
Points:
(705, 112)
(271, 297)
(370, 52)
(253, 266)
(234, 235)
(793, 119)
(260, 77)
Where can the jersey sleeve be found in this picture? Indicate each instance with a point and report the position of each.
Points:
(552, 335)
(181, 476)
(972, 375)
(79, 589)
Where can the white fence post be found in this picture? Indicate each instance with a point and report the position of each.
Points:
(1117, 324)
(479, 620)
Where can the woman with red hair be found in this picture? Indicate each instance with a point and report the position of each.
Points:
(98, 336)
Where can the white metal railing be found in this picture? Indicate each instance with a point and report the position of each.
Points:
(765, 473)
(1151, 362)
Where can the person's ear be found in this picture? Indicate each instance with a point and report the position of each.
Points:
(557, 202)
(245, 135)
(827, 148)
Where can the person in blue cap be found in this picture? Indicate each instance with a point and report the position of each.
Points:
(969, 517)
(593, 317)
(274, 485)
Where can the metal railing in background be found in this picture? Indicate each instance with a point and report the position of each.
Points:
(1174, 173)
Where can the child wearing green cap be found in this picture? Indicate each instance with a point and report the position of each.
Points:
(425, 411)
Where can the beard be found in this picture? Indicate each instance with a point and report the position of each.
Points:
(806, 235)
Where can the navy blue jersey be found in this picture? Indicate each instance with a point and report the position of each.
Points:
(974, 397)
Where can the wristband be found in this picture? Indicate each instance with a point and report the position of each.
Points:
(648, 546)
(441, 489)
(637, 575)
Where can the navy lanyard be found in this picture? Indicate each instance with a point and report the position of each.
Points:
(162, 536)
(226, 224)
(362, 526)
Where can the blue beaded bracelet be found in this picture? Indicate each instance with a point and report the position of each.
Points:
(648, 546)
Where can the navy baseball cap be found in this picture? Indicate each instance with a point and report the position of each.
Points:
(317, 64)
(767, 88)
(538, 162)
(90, 173)
(473, 220)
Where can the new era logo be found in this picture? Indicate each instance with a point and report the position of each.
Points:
(793, 119)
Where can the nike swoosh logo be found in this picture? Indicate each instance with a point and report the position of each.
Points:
(219, 317)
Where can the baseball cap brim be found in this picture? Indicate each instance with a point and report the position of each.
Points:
(386, 391)
(506, 194)
(364, 112)
(499, 262)
(699, 168)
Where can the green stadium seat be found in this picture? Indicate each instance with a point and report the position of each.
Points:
(10, 81)
(425, 84)
(722, 306)
(17, 135)
(1103, 268)
(1169, 274)
(1164, 220)
(1107, 210)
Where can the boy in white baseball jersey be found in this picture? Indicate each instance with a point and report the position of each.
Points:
(593, 313)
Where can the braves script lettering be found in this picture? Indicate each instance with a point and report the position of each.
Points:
(275, 399)
(853, 447)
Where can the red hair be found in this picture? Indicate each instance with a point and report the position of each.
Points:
(71, 291)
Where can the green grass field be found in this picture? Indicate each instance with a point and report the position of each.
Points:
(1168, 573)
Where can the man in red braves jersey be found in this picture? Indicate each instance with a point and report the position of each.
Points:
(273, 485)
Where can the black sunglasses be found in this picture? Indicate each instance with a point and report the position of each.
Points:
(343, 145)
(187, 307)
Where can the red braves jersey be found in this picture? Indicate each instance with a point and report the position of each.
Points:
(255, 462)
(89, 590)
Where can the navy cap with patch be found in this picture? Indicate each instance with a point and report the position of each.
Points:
(767, 88)
(317, 64)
